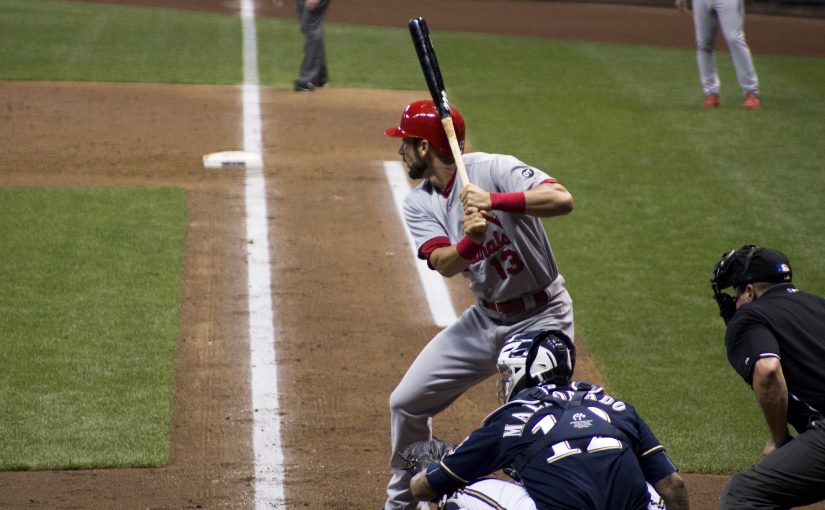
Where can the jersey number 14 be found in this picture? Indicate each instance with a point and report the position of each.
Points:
(596, 444)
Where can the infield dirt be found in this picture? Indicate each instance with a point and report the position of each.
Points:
(344, 287)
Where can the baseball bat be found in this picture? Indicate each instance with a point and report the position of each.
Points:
(435, 83)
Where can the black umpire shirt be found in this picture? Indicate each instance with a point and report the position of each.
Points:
(788, 324)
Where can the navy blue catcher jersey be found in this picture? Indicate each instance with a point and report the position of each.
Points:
(608, 455)
(788, 324)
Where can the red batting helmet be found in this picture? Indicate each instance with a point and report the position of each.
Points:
(421, 120)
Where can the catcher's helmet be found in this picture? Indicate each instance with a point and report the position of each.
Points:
(532, 358)
(748, 264)
(421, 120)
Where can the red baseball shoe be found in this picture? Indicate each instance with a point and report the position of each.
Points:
(711, 101)
(752, 101)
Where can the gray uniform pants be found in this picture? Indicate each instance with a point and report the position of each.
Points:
(456, 359)
(791, 476)
(314, 64)
(729, 15)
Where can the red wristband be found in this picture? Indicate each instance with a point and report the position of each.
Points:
(513, 201)
(467, 248)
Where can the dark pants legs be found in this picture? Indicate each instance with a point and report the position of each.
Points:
(791, 476)
(314, 64)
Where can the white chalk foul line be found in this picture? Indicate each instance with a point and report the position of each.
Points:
(438, 297)
(269, 457)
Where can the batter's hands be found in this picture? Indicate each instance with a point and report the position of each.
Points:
(311, 5)
(476, 203)
(475, 224)
(473, 196)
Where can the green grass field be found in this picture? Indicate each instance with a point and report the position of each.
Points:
(662, 187)
(89, 321)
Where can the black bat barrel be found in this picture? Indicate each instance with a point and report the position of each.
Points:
(429, 64)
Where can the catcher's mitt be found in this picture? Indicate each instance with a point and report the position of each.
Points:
(423, 454)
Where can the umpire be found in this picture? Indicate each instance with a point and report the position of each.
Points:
(775, 340)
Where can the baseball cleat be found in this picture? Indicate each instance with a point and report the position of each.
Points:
(303, 86)
(711, 101)
(752, 101)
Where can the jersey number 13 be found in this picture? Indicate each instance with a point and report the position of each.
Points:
(507, 262)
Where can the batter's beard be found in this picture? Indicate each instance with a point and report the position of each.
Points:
(416, 169)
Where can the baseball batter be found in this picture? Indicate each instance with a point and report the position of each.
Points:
(730, 16)
(490, 232)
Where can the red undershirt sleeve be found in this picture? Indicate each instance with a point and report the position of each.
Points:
(430, 246)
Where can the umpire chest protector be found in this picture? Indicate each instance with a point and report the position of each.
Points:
(578, 420)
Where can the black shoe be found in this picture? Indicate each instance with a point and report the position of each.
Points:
(321, 83)
(303, 86)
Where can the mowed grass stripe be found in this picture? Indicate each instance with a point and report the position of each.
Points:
(89, 319)
(66, 41)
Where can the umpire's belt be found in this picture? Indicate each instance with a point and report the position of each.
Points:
(519, 304)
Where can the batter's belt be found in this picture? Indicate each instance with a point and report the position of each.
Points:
(519, 304)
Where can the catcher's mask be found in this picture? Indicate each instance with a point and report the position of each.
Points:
(532, 358)
(748, 264)
(421, 120)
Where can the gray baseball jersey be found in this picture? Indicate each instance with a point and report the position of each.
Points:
(516, 258)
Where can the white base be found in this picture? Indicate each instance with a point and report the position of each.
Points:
(232, 159)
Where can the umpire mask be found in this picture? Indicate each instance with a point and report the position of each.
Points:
(722, 279)
(748, 264)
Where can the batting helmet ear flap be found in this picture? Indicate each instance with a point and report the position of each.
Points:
(551, 358)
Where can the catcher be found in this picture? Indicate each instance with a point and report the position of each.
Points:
(567, 443)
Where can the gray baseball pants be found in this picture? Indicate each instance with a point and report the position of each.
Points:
(729, 15)
(314, 63)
